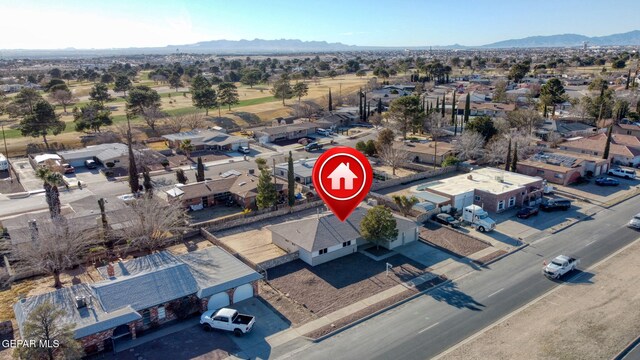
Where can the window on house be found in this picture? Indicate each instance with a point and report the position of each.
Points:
(595, 153)
(501, 205)
(346, 243)
(628, 132)
(476, 198)
(322, 251)
(512, 201)
(146, 317)
(161, 313)
(539, 172)
(558, 176)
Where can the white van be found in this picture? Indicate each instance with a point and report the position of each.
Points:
(324, 132)
(4, 164)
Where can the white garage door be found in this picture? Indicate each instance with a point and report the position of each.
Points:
(242, 292)
(218, 301)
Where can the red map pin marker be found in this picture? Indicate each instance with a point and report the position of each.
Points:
(342, 176)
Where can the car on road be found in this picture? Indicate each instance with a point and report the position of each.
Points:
(228, 320)
(90, 164)
(244, 150)
(635, 221)
(623, 173)
(560, 266)
(312, 146)
(607, 181)
(446, 219)
(555, 204)
(127, 198)
(527, 212)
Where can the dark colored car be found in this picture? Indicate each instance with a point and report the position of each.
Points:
(526, 212)
(607, 181)
(555, 204)
(446, 219)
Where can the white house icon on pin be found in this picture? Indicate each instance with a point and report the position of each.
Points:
(342, 172)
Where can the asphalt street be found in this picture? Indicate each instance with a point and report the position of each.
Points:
(439, 319)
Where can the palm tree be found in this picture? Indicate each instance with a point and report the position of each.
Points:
(51, 181)
(187, 147)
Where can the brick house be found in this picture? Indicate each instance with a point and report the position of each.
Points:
(493, 189)
(146, 292)
(562, 168)
(240, 187)
(624, 149)
(273, 134)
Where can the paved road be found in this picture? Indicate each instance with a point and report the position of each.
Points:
(434, 322)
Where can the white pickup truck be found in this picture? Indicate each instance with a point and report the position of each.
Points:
(228, 320)
(559, 266)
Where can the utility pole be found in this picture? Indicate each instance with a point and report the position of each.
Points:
(6, 152)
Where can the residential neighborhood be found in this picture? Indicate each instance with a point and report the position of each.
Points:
(170, 202)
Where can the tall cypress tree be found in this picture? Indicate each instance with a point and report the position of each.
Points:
(444, 97)
(364, 107)
(626, 87)
(507, 163)
(379, 106)
(605, 155)
(200, 170)
(291, 181)
(134, 182)
(437, 104)
(514, 161)
(368, 111)
(467, 108)
(360, 104)
(453, 114)
(330, 101)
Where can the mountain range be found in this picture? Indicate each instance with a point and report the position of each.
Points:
(259, 46)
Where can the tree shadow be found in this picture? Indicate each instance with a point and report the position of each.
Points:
(450, 294)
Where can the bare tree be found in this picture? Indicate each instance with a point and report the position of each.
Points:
(470, 146)
(152, 115)
(305, 109)
(194, 121)
(526, 144)
(173, 123)
(150, 224)
(375, 119)
(55, 246)
(554, 138)
(393, 157)
(63, 98)
(496, 150)
(525, 119)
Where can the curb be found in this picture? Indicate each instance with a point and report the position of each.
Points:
(505, 255)
(632, 345)
(376, 313)
(19, 195)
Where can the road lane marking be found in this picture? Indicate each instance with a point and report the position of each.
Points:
(490, 295)
(427, 328)
(589, 243)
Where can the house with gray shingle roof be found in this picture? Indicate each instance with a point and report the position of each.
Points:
(148, 291)
(324, 237)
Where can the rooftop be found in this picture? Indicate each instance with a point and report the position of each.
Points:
(490, 180)
(326, 230)
(302, 167)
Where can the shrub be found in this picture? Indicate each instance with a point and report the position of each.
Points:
(450, 161)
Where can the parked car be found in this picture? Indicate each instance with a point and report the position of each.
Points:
(244, 150)
(68, 169)
(607, 181)
(446, 219)
(90, 164)
(325, 132)
(634, 222)
(527, 212)
(624, 173)
(560, 266)
(228, 320)
(555, 204)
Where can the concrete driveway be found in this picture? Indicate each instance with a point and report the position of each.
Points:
(254, 345)
(27, 175)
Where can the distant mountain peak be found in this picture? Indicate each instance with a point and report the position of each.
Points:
(570, 40)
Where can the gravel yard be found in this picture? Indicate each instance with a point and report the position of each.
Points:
(593, 318)
(454, 241)
(328, 287)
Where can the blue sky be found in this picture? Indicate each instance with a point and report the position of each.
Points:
(40, 24)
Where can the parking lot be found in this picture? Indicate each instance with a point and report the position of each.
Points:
(601, 194)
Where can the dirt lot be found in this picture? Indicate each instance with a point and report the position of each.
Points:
(400, 172)
(592, 319)
(328, 287)
(254, 244)
(455, 242)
